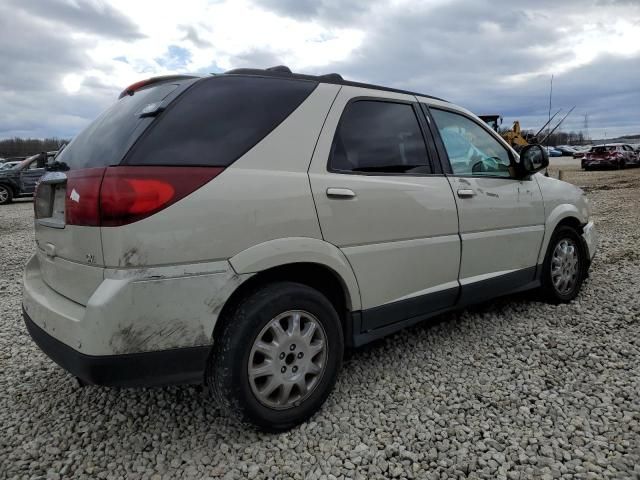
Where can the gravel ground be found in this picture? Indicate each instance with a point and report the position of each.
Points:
(511, 389)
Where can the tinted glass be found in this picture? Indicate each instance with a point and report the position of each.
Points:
(382, 137)
(218, 120)
(603, 149)
(471, 149)
(106, 140)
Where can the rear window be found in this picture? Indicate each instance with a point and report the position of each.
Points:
(603, 149)
(106, 140)
(218, 120)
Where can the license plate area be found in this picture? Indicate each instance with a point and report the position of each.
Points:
(49, 200)
(44, 201)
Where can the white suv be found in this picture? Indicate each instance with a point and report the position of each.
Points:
(241, 230)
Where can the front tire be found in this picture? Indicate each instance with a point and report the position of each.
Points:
(6, 195)
(277, 356)
(565, 266)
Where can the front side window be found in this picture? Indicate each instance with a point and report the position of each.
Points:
(471, 149)
(379, 137)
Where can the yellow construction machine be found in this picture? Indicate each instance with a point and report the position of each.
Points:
(514, 136)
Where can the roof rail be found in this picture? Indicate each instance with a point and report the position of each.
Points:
(283, 71)
(279, 68)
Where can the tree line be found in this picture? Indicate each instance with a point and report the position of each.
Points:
(22, 147)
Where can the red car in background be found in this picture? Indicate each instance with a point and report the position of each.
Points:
(616, 155)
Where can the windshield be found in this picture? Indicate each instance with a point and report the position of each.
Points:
(108, 138)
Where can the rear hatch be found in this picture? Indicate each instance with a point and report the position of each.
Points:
(67, 231)
(601, 153)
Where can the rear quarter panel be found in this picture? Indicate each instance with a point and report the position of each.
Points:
(263, 196)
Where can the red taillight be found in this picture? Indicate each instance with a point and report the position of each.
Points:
(81, 204)
(128, 194)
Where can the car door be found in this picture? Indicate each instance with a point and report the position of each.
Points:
(502, 219)
(382, 202)
(29, 175)
(631, 157)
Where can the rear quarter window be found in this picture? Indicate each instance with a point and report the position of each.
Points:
(218, 120)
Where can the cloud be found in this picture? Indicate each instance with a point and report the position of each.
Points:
(334, 11)
(67, 60)
(191, 34)
(176, 58)
(89, 16)
(497, 57)
(38, 55)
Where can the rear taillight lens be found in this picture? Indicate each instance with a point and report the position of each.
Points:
(130, 194)
(81, 204)
(120, 195)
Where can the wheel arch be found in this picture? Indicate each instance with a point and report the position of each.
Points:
(312, 262)
(10, 186)
(565, 214)
(282, 253)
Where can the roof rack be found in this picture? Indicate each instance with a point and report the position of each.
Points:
(283, 71)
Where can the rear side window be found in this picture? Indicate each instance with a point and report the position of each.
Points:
(106, 140)
(379, 137)
(218, 120)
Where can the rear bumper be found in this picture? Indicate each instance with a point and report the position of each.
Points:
(133, 311)
(175, 366)
(599, 163)
(150, 326)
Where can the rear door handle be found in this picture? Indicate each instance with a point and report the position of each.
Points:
(466, 193)
(340, 193)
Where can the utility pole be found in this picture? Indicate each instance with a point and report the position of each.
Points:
(586, 126)
(550, 95)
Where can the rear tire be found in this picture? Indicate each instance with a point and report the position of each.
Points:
(565, 266)
(251, 354)
(6, 194)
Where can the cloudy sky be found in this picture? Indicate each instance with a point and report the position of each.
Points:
(63, 61)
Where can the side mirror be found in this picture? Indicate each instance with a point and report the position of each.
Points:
(533, 158)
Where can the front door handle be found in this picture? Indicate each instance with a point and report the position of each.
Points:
(340, 193)
(466, 193)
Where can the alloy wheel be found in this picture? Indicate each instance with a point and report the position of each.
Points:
(287, 359)
(565, 266)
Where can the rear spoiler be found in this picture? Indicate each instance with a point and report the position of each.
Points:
(131, 89)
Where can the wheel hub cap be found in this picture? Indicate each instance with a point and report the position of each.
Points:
(287, 359)
(4, 194)
(564, 266)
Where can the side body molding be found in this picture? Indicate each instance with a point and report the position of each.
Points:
(284, 251)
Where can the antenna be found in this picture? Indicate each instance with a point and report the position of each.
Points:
(545, 125)
(559, 123)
